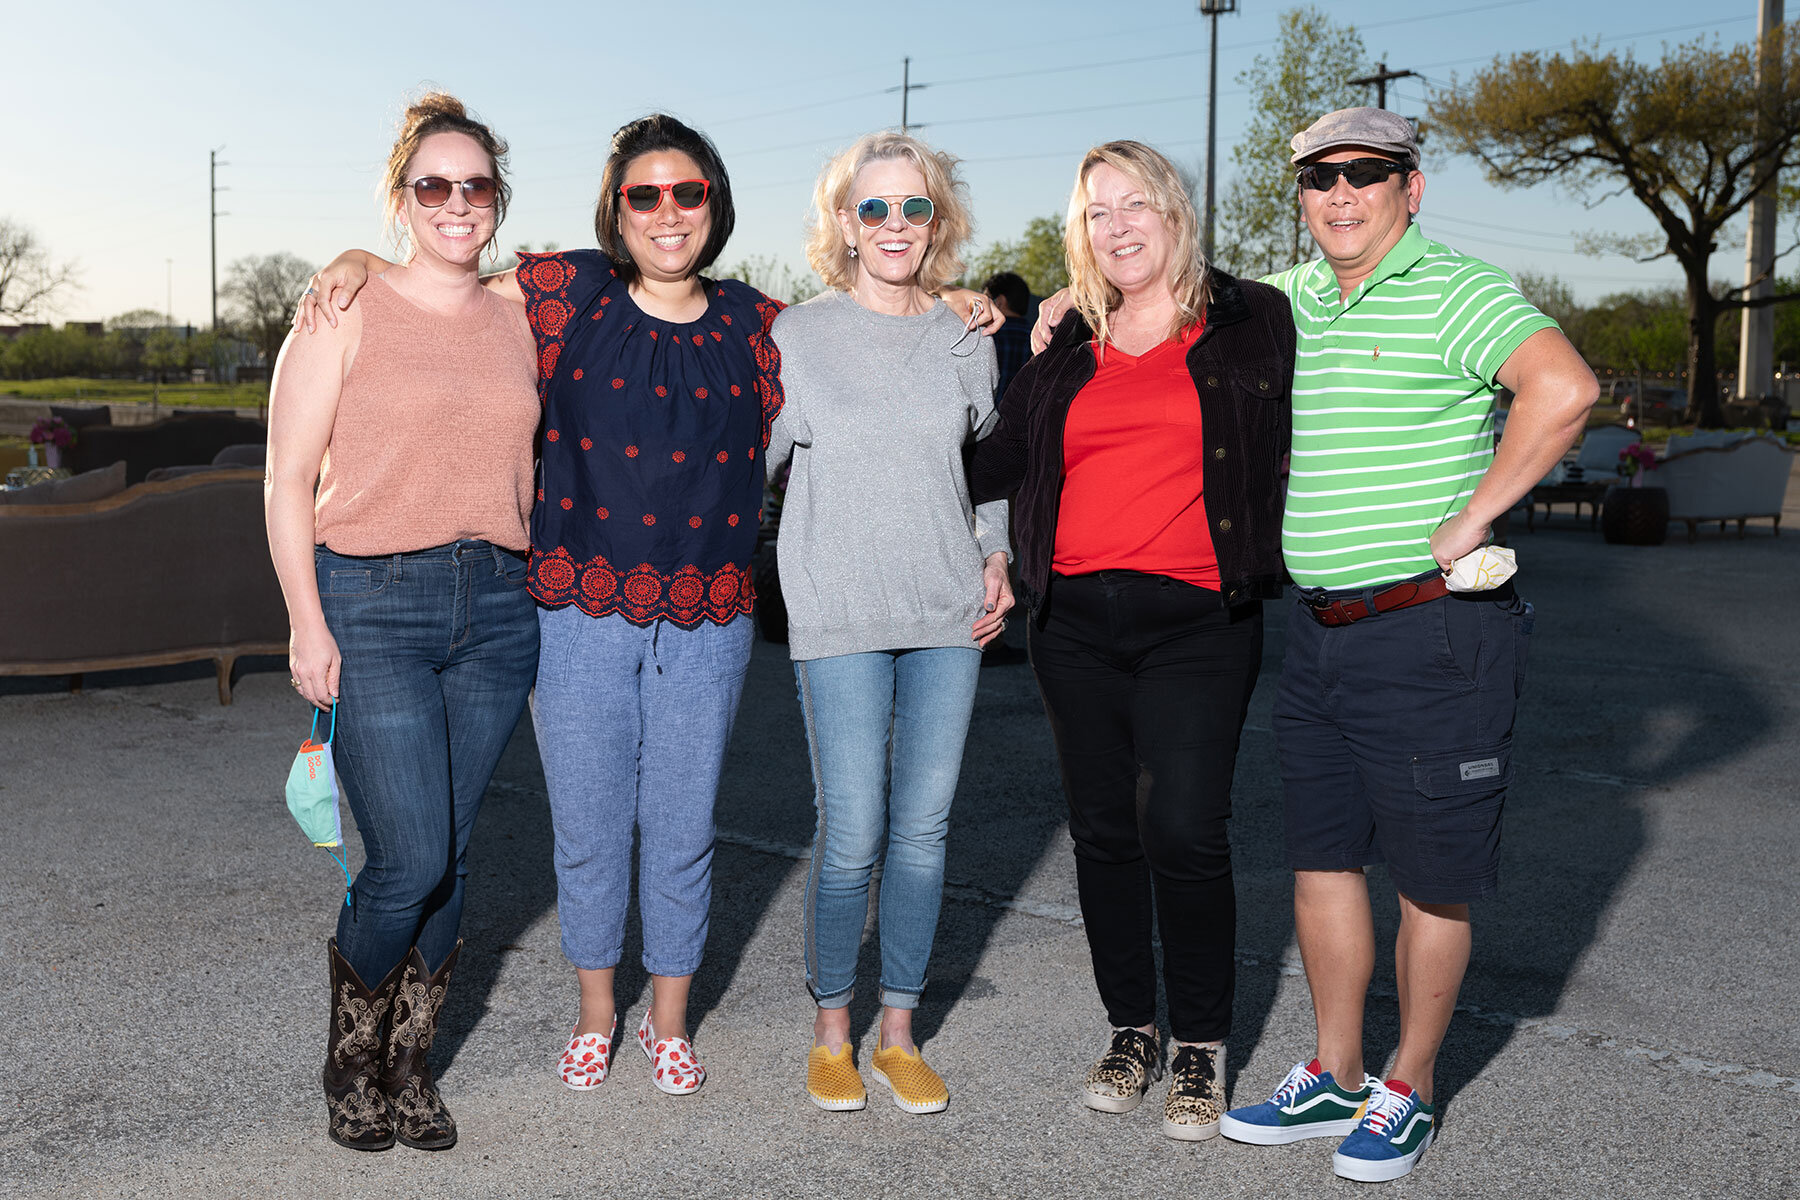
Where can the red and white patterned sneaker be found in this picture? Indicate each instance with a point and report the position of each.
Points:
(677, 1071)
(584, 1063)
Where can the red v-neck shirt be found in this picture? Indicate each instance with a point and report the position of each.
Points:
(1134, 470)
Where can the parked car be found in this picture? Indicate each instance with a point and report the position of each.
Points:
(1659, 405)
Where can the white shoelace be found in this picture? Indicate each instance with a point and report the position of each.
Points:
(1385, 1107)
(1297, 1081)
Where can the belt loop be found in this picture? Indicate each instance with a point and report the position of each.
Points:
(397, 569)
(499, 567)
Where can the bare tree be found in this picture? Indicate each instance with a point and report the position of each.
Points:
(28, 279)
(260, 292)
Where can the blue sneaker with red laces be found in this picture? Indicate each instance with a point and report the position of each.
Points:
(1388, 1141)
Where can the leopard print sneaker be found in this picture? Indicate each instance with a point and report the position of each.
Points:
(1196, 1093)
(1117, 1083)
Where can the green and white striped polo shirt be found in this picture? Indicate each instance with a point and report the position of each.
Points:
(1393, 407)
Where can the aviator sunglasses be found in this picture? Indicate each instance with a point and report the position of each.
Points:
(433, 191)
(1358, 172)
(688, 194)
(916, 210)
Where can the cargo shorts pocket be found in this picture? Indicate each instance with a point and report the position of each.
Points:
(1459, 797)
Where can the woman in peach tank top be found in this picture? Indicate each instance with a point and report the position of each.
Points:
(405, 580)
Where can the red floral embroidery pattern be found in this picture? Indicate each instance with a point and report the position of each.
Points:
(649, 518)
(717, 336)
(736, 390)
(693, 522)
(768, 365)
(587, 443)
(679, 456)
(545, 281)
(643, 594)
(618, 383)
(578, 372)
(661, 390)
(732, 520)
(631, 452)
(699, 393)
(602, 513)
(698, 338)
(551, 435)
(567, 504)
(722, 456)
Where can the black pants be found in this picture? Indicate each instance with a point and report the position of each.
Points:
(1146, 680)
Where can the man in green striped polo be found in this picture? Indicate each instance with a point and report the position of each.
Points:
(1394, 716)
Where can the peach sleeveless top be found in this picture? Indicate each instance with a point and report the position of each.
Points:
(435, 430)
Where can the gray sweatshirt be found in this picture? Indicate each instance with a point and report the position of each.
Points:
(879, 547)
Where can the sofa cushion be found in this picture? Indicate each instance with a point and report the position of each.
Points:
(88, 486)
(244, 454)
(158, 474)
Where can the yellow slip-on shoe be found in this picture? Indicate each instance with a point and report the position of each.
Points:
(833, 1081)
(916, 1087)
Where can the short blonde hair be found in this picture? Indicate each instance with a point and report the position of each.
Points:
(1189, 280)
(950, 222)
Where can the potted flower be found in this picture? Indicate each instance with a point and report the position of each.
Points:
(1632, 513)
(55, 436)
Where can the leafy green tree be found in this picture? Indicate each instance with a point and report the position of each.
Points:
(1692, 138)
(1036, 257)
(1260, 228)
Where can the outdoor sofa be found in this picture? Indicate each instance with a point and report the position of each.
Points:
(165, 572)
(1713, 478)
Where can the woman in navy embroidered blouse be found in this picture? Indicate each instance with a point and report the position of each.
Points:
(651, 481)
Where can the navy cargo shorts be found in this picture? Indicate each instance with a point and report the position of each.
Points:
(1394, 735)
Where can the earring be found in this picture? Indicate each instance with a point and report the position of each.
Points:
(853, 252)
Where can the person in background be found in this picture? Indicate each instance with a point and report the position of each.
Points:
(1012, 342)
(414, 416)
(893, 582)
(1145, 445)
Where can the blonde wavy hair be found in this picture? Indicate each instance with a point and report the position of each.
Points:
(950, 223)
(1161, 184)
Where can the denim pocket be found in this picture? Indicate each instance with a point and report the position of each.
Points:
(356, 581)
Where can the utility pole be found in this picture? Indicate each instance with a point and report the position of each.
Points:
(1380, 80)
(212, 176)
(906, 89)
(1214, 9)
(1756, 338)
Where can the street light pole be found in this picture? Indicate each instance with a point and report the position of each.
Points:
(212, 178)
(1213, 9)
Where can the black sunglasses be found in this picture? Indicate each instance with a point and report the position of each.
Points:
(1358, 172)
(433, 191)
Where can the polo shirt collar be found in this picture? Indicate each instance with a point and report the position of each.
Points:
(1407, 251)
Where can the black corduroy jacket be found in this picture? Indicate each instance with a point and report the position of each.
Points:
(1243, 370)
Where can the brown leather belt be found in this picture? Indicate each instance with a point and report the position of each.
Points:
(1388, 599)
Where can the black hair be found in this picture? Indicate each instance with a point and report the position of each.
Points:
(647, 135)
(1011, 288)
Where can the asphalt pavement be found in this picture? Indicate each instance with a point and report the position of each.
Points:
(1628, 1026)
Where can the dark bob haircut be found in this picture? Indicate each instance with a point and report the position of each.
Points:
(647, 135)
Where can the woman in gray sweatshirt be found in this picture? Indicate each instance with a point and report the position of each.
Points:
(893, 581)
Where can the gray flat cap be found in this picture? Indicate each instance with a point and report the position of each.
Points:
(1376, 128)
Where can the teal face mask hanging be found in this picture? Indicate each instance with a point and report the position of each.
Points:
(312, 794)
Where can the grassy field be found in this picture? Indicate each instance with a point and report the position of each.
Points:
(129, 391)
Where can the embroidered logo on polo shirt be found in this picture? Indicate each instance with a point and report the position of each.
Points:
(1481, 768)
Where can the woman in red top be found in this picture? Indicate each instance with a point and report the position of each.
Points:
(1145, 446)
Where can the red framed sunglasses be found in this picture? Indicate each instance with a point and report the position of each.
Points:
(688, 194)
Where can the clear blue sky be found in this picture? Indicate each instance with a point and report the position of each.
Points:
(110, 110)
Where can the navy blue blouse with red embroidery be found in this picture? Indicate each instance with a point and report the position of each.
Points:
(650, 489)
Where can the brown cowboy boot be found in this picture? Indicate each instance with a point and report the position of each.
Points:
(420, 1118)
(360, 1116)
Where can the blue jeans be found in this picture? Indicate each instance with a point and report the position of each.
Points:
(632, 723)
(886, 732)
(439, 648)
